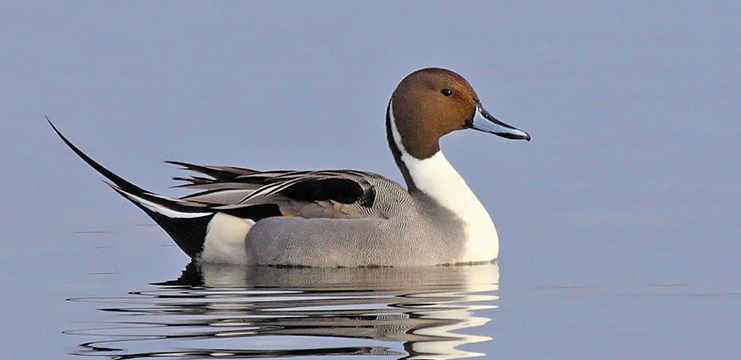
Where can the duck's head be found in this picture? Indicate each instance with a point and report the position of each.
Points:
(432, 102)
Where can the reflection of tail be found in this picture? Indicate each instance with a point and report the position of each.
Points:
(186, 222)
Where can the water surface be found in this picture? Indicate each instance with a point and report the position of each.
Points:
(237, 312)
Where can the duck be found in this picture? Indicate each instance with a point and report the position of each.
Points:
(341, 218)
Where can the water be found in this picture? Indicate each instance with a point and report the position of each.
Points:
(619, 221)
(233, 312)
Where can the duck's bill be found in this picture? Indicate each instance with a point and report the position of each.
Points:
(483, 121)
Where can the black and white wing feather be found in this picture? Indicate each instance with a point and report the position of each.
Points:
(321, 193)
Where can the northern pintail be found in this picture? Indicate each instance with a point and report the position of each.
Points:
(330, 218)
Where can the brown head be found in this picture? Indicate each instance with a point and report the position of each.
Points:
(433, 102)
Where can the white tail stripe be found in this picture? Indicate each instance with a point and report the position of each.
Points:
(161, 209)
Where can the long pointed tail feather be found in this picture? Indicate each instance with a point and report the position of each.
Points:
(186, 222)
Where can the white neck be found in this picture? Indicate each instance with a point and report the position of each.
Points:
(435, 177)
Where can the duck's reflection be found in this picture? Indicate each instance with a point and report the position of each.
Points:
(237, 312)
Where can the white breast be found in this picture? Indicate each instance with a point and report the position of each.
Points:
(438, 179)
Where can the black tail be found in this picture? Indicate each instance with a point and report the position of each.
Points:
(185, 222)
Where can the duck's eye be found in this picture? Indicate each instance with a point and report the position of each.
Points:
(447, 92)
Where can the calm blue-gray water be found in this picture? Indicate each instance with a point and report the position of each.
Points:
(618, 222)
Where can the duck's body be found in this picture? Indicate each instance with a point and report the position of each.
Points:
(343, 217)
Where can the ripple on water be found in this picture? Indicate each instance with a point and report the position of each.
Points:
(236, 312)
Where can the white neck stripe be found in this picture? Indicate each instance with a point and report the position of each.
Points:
(434, 175)
(395, 131)
(436, 178)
